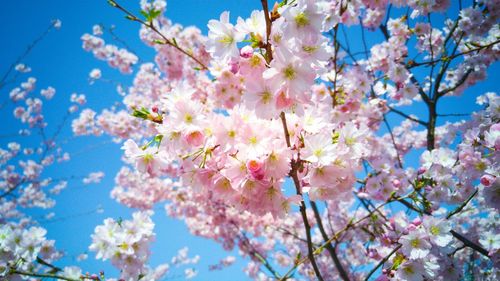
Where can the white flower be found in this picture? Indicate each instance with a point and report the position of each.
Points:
(146, 160)
(442, 156)
(223, 38)
(319, 149)
(72, 272)
(417, 270)
(95, 74)
(490, 241)
(256, 24)
(57, 23)
(415, 244)
(410, 271)
(190, 273)
(22, 68)
(438, 231)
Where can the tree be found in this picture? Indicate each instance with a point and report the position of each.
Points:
(274, 135)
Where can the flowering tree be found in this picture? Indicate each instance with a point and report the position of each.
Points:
(273, 135)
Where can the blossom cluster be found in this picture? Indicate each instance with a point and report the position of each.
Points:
(116, 57)
(287, 114)
(273, 135)
(126, 244)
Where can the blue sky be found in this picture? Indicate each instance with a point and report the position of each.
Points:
(60, 62)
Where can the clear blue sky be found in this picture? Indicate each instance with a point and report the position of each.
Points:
(60, 62)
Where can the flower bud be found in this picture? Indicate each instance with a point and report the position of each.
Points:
(487, 180)
(246, 52)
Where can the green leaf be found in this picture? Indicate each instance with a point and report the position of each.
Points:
(144, 13)
(158, 138)
(175, 41)
(154, 14)
(158, 41)
(142, 113)
(398, 260)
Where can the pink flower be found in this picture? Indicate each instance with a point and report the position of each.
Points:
(146, 160)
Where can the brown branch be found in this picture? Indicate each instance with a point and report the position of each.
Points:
(255, 253)
(329, 247)
(461, 207)
(392, 109)
(349, 225)
(384, 260)
(458, 84)
(469, 243)
(288, 232)
(28, 50)
(269, 53)
(293, 174)
(415, 64)
(41, 275)
(400, 164)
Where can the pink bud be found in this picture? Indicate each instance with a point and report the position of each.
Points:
(487, 180)
(254, 166)
(246, 52)
(396, 183)
(421, 170)
(235, 67)
(344, 108)
(256, 169)
(195, 138)
(373, 253)
(155, 109)
(282, 101)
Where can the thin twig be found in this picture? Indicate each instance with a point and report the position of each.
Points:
(329, 247)
(41, 275)
(400, 164)
(293, 174)
(151, 26)
(348, 226)
(269, 53)
(461, 207)
(384, 260)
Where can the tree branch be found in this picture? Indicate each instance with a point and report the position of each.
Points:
(294, 176)
(151, 26)
(384, 260)
(392, 109)
(469, 243)
(329, 247)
